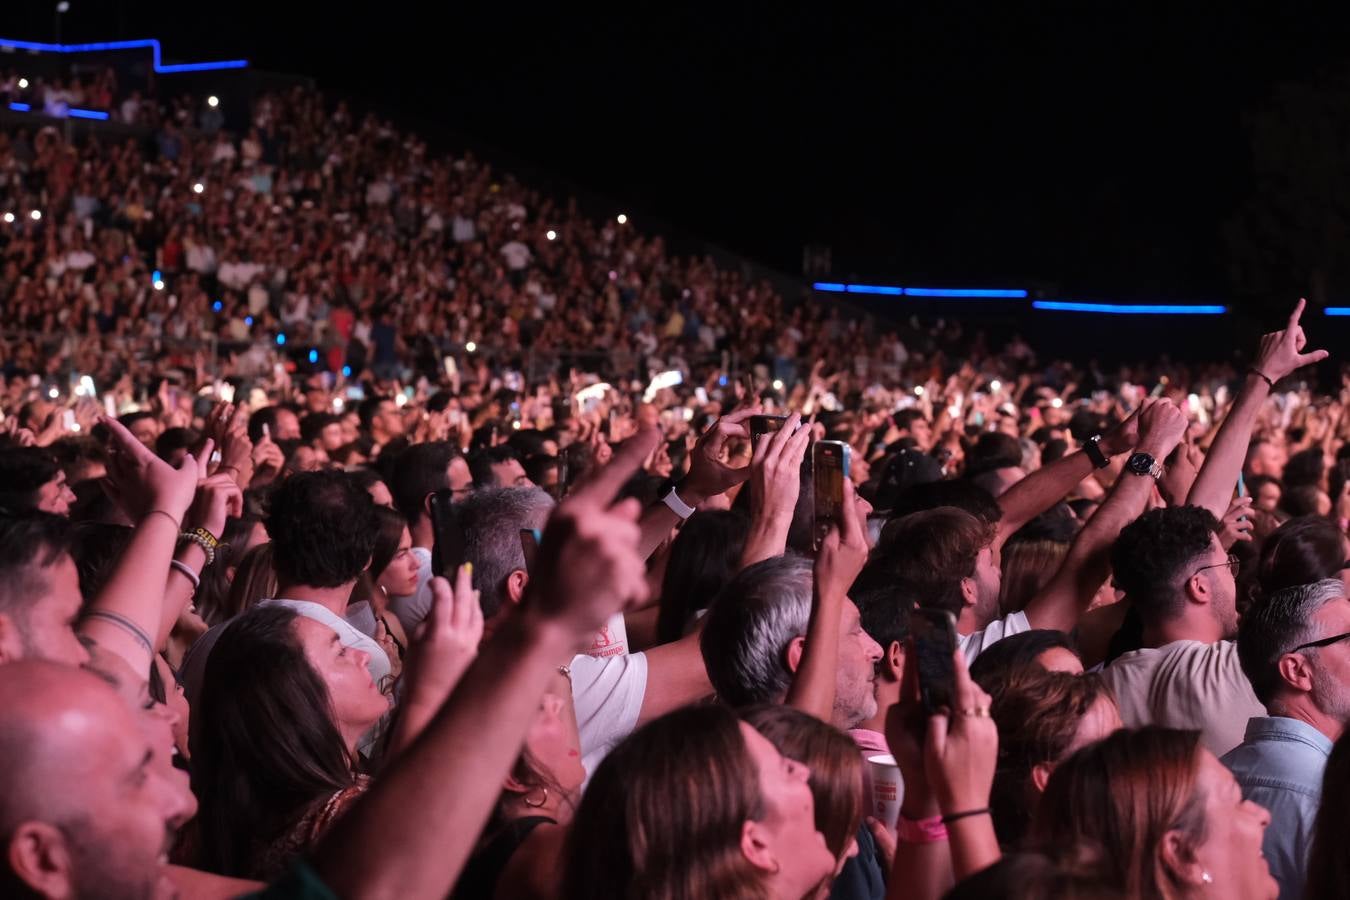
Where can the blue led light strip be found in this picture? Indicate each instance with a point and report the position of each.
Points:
(835, 287)
(153, 44)
(1336, 311)
(1143, 309)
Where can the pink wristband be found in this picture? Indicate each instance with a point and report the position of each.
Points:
(921, 831)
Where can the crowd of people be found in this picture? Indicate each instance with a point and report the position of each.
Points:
(407, 615)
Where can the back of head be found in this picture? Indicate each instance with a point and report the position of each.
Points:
(1305, 468)
(420, 470)
(23, 472)
(1072, 875)
(902, 471)
(255, 579)
(993, 450)
(1300, 551)
(929, 553)
(703, 558)
(1328, 872)
(1123, 794)
(492, 520)
(322, 527)
(29, 544)
(958, 493)
(883, 611)
(1027, 567)
(483, 459)
(1039, 715)
(1152, 556)
(1002, 660)
(749, 627)
(263, 739)
(96, 548)
(664, 812)
(1274, 625)
(834, 761)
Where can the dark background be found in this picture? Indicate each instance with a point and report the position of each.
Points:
(1093, 150)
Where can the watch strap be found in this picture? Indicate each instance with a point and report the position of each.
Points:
(1092, 447)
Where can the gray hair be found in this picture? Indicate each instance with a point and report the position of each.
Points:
(749, 627)
(1275, 625)
(492, 519)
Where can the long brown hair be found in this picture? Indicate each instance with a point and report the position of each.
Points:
(834, 761)
(254, 580)
(663, 815)
(1124, 794)
(1038, 714)
(1027, 567)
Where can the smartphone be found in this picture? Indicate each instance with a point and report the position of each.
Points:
(1241, 486)
(934, 633)
(762, 425)
(830, 465)
(529, 545)
(447, 553)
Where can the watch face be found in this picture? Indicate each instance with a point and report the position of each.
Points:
(1141, 463)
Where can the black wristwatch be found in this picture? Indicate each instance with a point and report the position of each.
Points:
(1144, 464)
(1092, 447)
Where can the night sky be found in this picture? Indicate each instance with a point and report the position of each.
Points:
(1092, 148)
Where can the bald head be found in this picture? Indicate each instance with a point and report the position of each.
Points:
(84, 809)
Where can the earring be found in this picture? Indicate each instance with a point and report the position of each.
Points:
(530, 803)
(1206, 878)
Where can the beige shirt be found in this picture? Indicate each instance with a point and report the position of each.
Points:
(1186, 684)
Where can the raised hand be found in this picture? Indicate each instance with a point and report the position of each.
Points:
(843, 552)
(708, 475)
(961, 747)
(1282, 351)
(141, 482)
(447, 641)
(775, 470)
(1161, 427)
(218, 499)
(1237, 523)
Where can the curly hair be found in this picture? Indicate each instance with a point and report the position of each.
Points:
(323, 529)
(1152, 553)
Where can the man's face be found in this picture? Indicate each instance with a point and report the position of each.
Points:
(134, 802)
(855, 697)
(331, 437)
(458, 479)
(510, 474)
(146, 431)
(56, 496)
(288, 426)
(1267, 497)
(1223, 587)
(46, 629)
(922, 433)
(988, 580)
(1270, 460)
(1331, 664)
(388, 419)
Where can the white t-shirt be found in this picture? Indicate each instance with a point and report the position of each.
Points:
(1186, 684)
(607, 694)
(972, 645)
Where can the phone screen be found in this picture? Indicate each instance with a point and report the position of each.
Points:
(830, 463)
(934, 633)
(447, 555)
(529, 544)
(762, 425)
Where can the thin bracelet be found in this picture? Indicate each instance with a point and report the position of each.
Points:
(125, 624)
(187, 573)
(169, 516)
(947, 820)
(1262, 375)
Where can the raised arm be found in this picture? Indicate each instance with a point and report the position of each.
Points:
(127, 615)
(1048, 485)
(842, 556)
(1281, 353)
(775, 485)
(429, 808)
(708, 476)
(1060, 603)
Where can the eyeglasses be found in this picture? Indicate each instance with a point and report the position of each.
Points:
(1324, 642)
(1232, 563)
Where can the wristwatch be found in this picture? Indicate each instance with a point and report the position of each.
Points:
(1144, 464)
(1092, 447)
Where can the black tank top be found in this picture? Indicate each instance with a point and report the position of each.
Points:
(485, 867)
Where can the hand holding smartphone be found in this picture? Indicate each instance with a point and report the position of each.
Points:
(831, 462)
(934, 634)
(447, 553)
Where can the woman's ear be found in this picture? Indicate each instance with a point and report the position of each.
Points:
(755, 847)
(1040, 775)
(512, 786)
(1177, 856)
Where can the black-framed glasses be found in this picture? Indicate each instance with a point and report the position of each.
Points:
(1231, 563)
(1324, 642)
